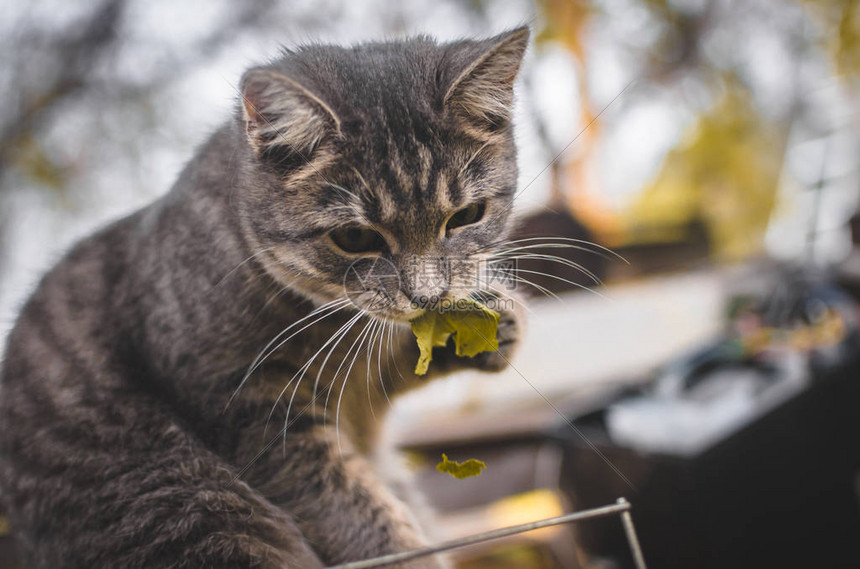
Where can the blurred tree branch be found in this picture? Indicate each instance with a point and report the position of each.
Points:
(70, 61)
(75, 54)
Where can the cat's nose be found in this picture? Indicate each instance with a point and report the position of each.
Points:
(425, 280)
(426, 299)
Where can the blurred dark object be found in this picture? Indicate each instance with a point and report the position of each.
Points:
(563, 254)
(550, 262)
(854, 226)
(648, 257)
(773, 487)
(780, 493)
(848, 272)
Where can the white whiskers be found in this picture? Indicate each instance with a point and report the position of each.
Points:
(326, 310)
(360, 338)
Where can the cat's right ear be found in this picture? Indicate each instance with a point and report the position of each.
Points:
(282, 115)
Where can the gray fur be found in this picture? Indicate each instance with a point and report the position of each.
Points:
(118, 447)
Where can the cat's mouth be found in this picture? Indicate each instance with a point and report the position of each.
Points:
(395, 315)
(417, 308)
(412, 314)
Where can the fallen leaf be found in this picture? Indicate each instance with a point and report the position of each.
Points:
(465, 469)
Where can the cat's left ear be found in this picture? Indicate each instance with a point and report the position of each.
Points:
(282, 115)
(483, 92)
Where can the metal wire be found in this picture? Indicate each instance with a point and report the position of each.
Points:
(632, 538)
(622, 507)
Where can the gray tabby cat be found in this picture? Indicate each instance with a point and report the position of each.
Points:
(131, 433)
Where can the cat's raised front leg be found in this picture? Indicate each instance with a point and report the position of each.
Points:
(340, 504)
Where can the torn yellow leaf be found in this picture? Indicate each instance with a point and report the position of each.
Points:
(465, 469)
(474, 331)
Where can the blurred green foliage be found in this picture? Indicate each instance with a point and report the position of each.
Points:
(724, 172)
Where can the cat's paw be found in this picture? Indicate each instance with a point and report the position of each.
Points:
(511, 324)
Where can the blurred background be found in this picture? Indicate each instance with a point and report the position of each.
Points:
(707, 373)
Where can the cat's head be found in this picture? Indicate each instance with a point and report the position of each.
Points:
(383, 172)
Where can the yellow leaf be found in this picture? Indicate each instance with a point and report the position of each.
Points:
(471, 467)
(474, 331)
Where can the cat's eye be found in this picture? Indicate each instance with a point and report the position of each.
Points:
(357, 239)
(466, 216)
